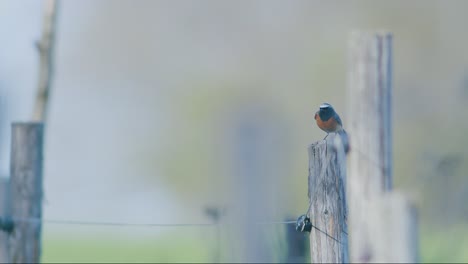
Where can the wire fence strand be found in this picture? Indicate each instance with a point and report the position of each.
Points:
(109, 223)
(128, 224)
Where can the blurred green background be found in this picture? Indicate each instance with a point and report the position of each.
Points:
(161, 109)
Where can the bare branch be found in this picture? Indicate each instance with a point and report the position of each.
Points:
(45, 47)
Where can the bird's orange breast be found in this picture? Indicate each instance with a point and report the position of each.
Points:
(328, 126)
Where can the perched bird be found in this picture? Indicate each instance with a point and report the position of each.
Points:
(329, 121)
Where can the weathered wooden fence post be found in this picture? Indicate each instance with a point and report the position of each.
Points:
(328, 209)
(4, 212)
(370, 158)
(369, 170)
(26, 192)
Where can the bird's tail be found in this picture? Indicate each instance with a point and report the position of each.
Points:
(345, 140)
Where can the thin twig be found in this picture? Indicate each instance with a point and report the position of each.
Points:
(45, 47)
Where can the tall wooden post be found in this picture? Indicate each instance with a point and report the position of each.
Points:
(26, 192)
(328, 211)
(369, 127)
(382, 223)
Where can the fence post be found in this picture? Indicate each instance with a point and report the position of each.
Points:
(26, 192)
(382, 223)
(328, 211)
(369, 127)
(4, 212)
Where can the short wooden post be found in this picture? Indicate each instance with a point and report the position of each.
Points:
(26, 192)
(327, 174)
(4, 213)
(369, 128)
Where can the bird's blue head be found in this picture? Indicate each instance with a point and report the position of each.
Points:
(326, 111)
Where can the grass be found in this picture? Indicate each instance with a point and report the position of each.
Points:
(182, 245)
(170, 247)
(445, 244)
(140, 245)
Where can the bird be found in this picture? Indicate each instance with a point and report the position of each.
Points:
(329, 121)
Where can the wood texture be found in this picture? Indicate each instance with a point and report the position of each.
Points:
(369, 128)
(382, 223)
(328, 211)
(26, 192)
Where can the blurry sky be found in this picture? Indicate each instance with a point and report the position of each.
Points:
(148, 96)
